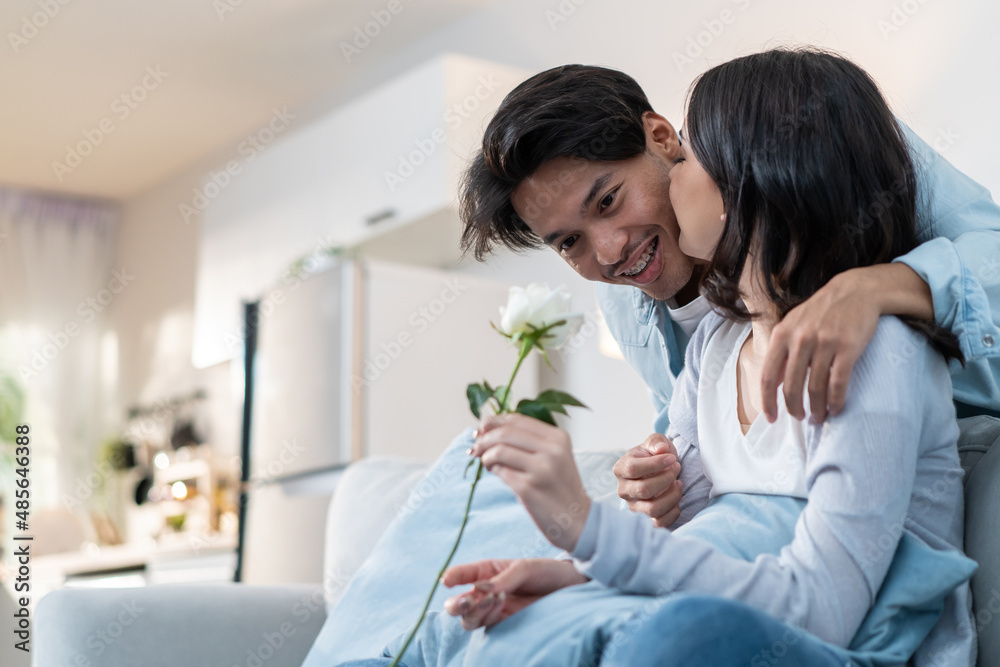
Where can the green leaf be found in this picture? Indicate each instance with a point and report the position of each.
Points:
(467, 466)
(555, 407)
(560, 397)
(537, 410)
(478, 394)
(498, 395)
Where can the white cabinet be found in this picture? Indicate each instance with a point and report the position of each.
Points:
(366, 359)
(380, 173)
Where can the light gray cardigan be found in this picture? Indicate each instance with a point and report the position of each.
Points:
(887, 464)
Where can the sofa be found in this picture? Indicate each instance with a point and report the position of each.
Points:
(258, 626)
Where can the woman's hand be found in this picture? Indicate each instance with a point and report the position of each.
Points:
(647, 480)
(503, 587)
(535, 460)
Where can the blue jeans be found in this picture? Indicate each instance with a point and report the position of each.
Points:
(704, 631)
(713, 632)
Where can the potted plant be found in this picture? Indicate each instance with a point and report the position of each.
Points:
(11, 413)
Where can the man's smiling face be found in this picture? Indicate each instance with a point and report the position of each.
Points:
(612, 221)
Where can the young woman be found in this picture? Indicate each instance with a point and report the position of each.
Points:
(782, 148)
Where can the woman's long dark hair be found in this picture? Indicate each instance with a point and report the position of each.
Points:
(815, 176)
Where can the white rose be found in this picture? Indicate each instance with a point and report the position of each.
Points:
(537, 306)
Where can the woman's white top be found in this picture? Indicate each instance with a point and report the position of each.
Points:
(769, 458)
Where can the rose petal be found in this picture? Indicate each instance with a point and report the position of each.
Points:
(537, 306)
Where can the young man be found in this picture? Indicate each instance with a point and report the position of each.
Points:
(576, 159)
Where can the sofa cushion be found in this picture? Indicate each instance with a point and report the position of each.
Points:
(982, 529)
(384, 598)
(369, 495)
(976, 437)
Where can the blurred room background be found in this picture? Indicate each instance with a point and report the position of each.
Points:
(165, 164)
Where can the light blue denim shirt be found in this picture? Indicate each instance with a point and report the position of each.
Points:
(958, 224)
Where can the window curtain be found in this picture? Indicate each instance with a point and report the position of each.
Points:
(57, 283)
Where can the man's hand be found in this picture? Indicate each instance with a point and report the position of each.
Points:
(535, 460)
(503, 587)
(647, 480)
(825, 336)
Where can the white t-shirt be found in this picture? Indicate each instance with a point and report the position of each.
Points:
(689, 315)
(769, 458)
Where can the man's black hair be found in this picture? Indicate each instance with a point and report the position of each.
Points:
(577, 111)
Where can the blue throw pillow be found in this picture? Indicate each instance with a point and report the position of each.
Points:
(384, 598)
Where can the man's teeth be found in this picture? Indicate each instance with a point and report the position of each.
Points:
(643, 261)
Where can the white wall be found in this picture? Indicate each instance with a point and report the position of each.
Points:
(938, 66)
(154, 318)
(937, 62)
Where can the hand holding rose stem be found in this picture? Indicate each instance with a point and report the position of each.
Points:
(536, 317)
